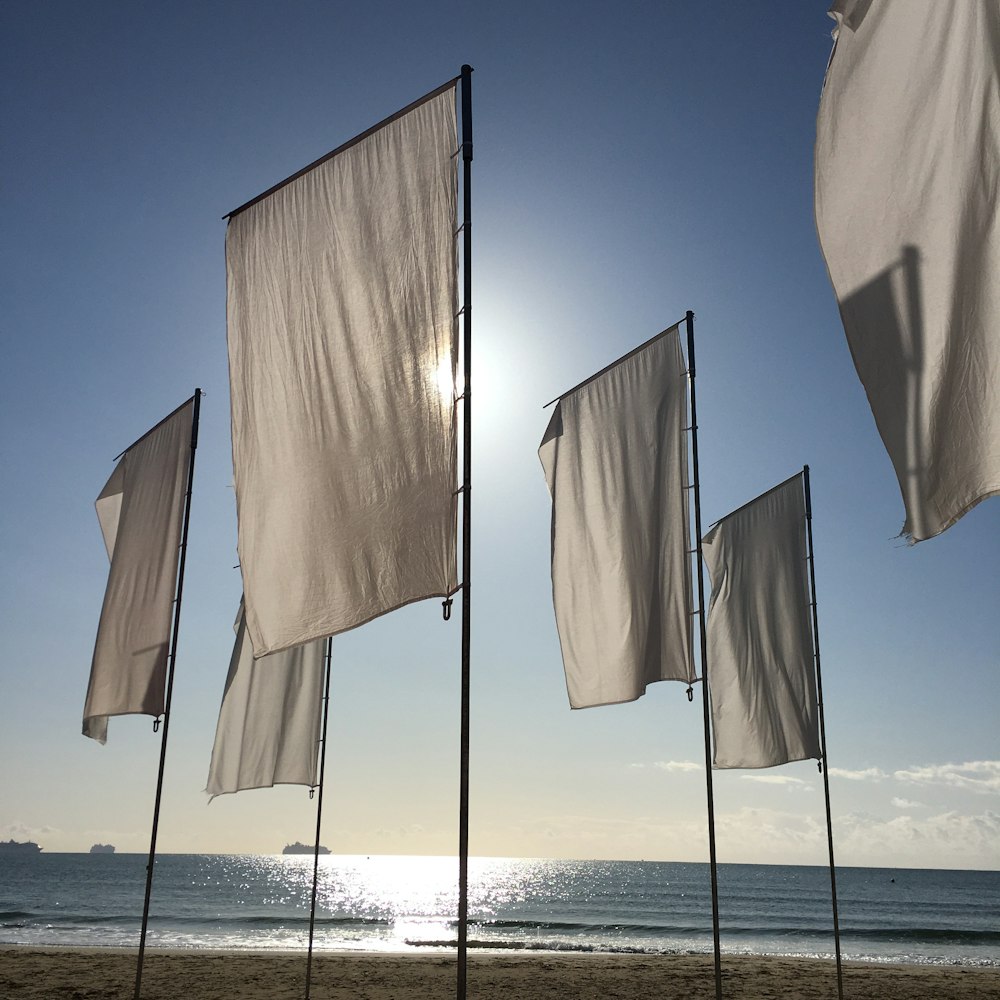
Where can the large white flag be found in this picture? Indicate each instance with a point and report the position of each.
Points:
(762, 679)
(615, 460)
(141, 510)
(907, 174)
(269, 723)
(342, 346)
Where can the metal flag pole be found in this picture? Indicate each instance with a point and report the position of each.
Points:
(704, 659)
(824, 765)
(171, 660)
(463, 795)
(319, 815)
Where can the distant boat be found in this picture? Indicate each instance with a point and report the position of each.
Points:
(298, 848)
(103, 849)
(19, 847)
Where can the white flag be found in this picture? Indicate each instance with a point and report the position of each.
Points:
(342, 346)
(762, 680)
(615, 460)
(907, 174)
(141, 510)
(269, 723)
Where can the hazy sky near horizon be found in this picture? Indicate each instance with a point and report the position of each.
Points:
(630, 164)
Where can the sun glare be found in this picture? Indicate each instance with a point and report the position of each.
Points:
(445, 380)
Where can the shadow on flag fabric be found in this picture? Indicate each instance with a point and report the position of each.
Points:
(269, 722)
(907, 172)
(341, 302)
(615, 461)
(762, 680)
(141, 512)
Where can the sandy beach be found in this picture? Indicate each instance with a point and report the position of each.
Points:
(106, 974)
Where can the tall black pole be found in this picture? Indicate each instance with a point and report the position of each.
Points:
(319, 816)
(704, 660)
(171, 659)
(463, 794)
(825, 767)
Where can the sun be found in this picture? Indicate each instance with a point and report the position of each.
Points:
(444, 379)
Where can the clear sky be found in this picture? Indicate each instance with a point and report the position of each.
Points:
(632, 162)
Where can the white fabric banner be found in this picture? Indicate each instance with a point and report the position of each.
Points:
(141, 511)
(762, 680)
(907, 173)
(615, 460)
(269, 723)
(342, 351)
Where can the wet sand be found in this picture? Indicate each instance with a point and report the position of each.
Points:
(109, 974)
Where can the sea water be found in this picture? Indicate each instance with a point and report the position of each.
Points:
(408, 904)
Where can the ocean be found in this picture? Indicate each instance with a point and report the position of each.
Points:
(408, 904)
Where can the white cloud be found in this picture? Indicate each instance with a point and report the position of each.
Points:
(906, 803)
(593, 836)
(775, 779)
(772, 836)
(947, 840)
(684, 766)
(982, 776)
(385, 833)
(759, 835)
(21, 831)
(867, 774)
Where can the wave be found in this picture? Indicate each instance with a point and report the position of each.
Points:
(936, 934)
(291, 920)
(568, 946)
(510, 933)
(604, 948)
(883, 933)
(561, 925)
(928, 935)
(22, 919)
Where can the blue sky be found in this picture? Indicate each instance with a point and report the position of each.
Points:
(630, 165)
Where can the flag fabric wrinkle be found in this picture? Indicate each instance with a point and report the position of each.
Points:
(761, 671)
(140, 511)
(907, 169)
(615, 461)
(342, 352)
(269, 721)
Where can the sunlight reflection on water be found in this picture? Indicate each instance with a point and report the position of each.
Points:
(387, 903)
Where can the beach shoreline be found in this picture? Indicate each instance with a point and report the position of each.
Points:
(50, 973)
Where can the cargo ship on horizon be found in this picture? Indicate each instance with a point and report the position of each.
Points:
(19, 847)
(298, 848)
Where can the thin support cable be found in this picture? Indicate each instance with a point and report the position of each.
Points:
(319, 816)
(689, 319)
(822, 732)
(171, 660)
